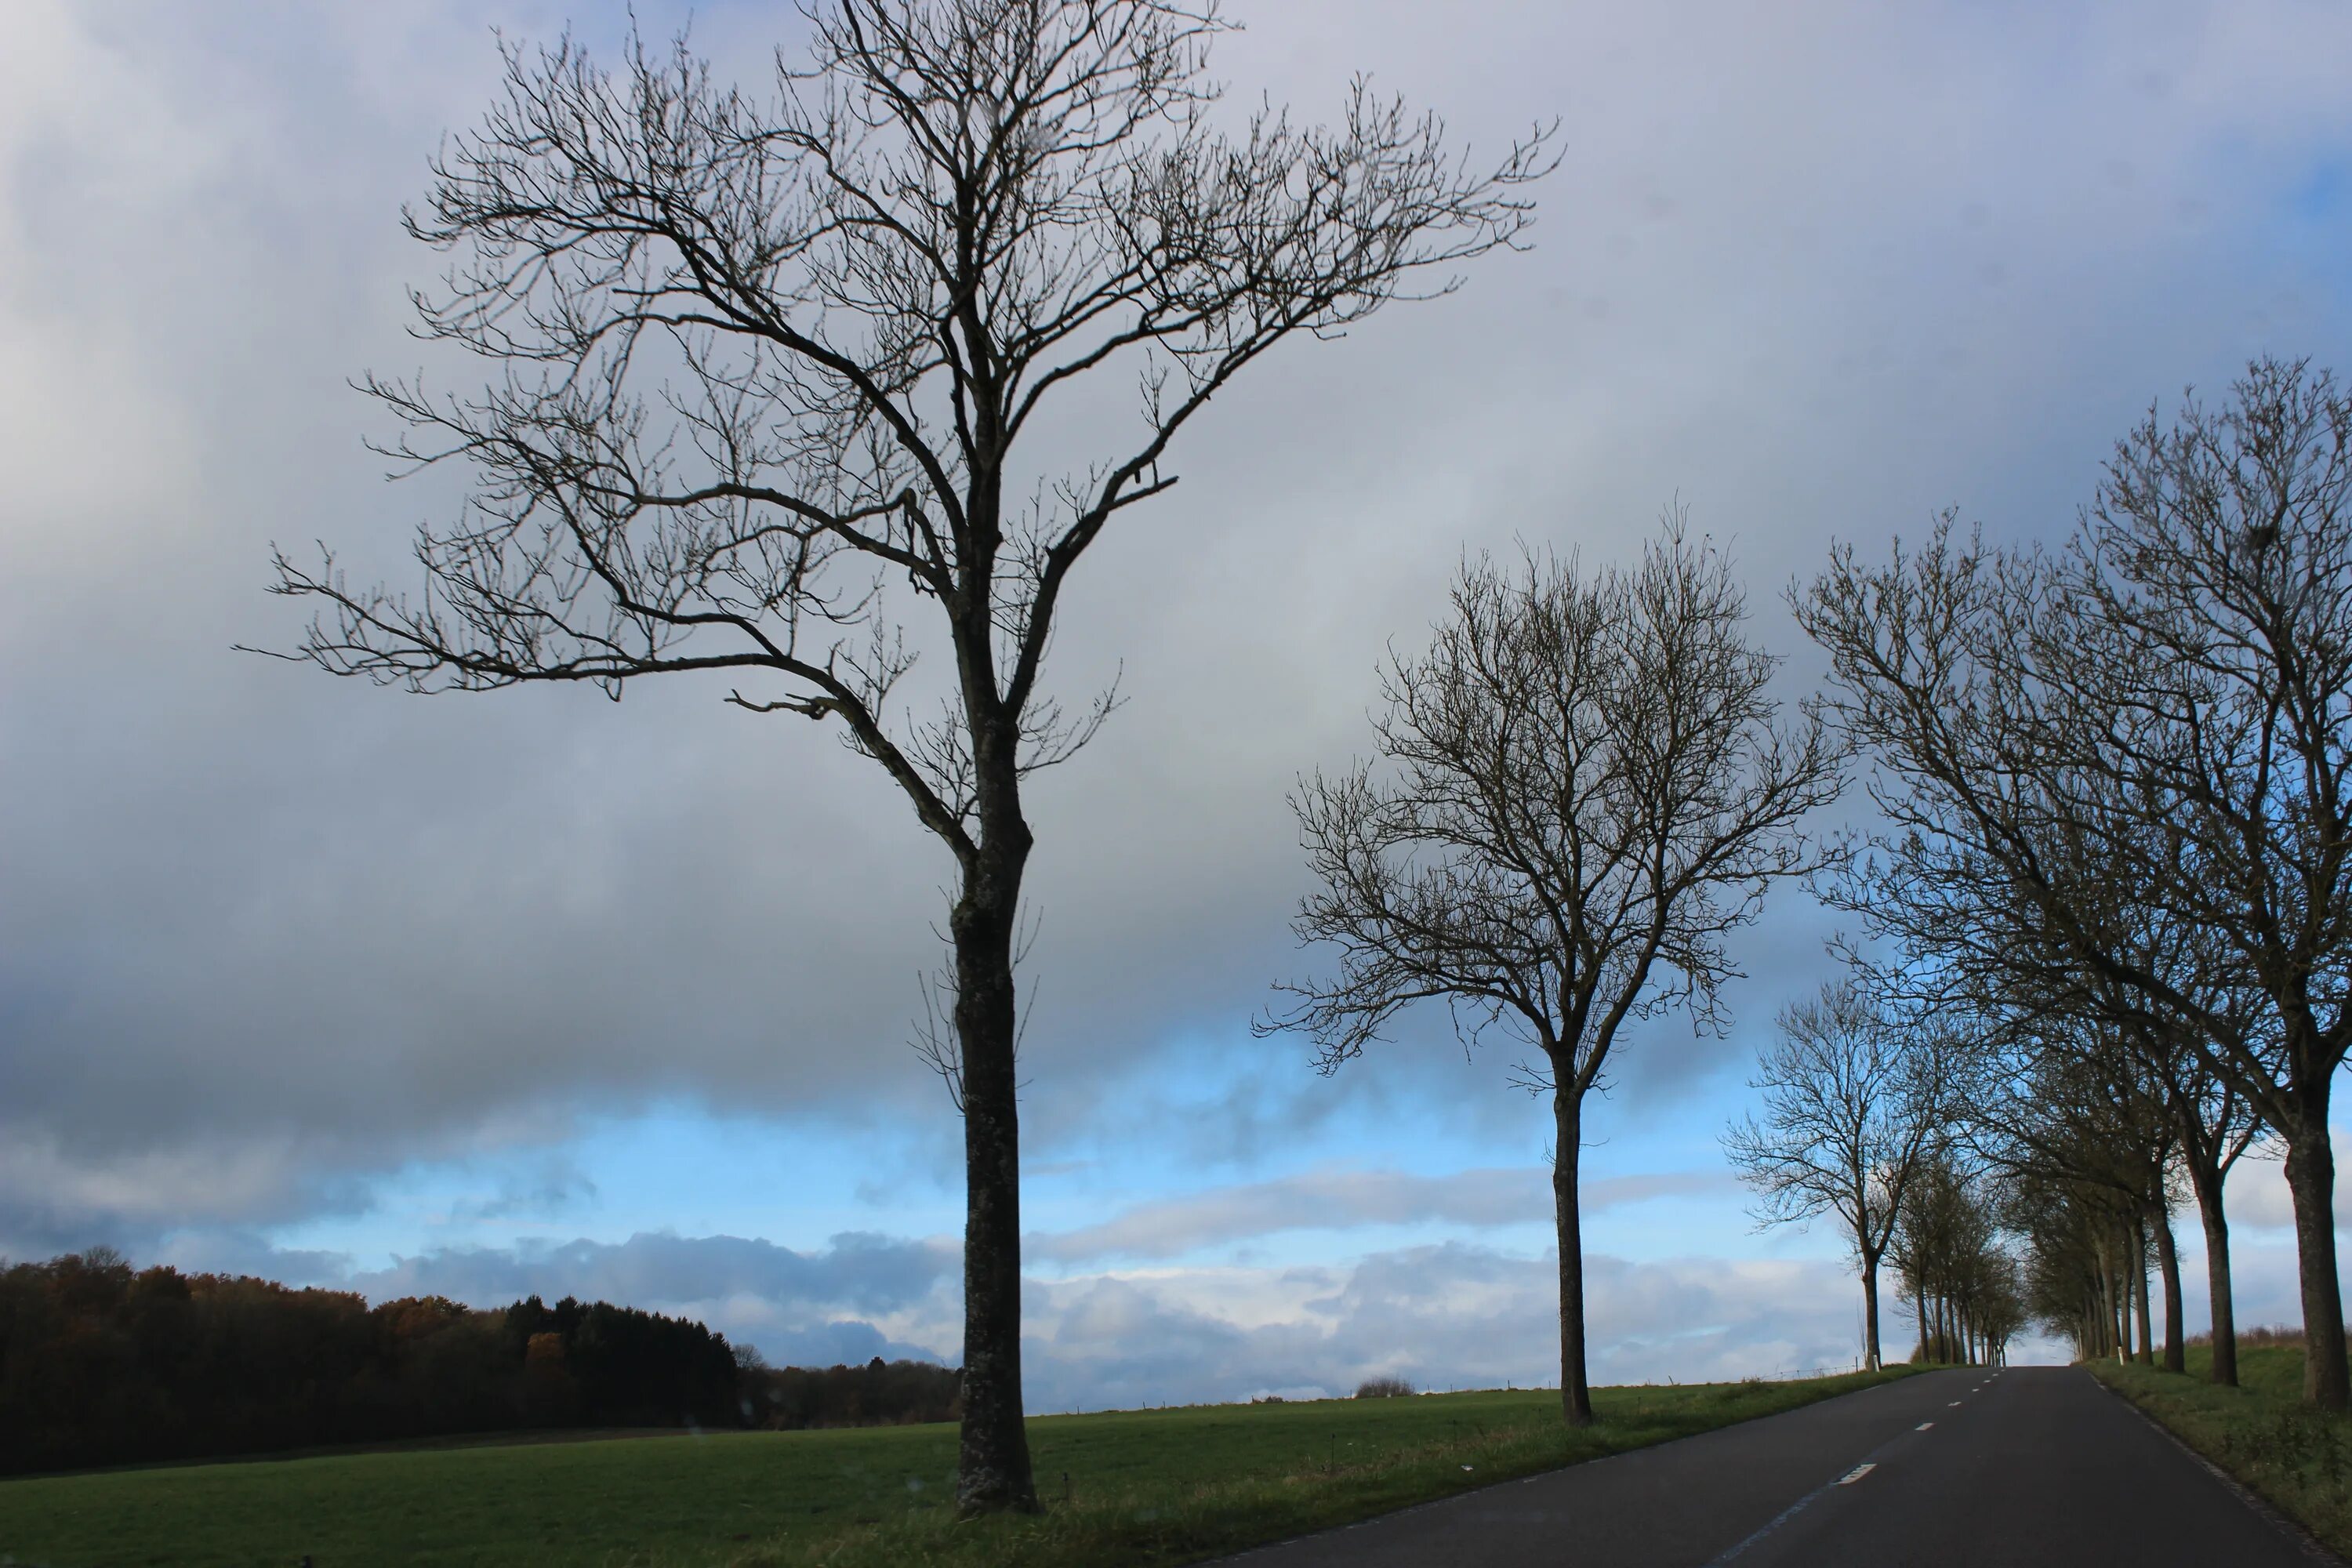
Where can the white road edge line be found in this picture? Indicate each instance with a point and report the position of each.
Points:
(1855, 1474)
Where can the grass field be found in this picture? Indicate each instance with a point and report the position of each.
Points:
(1137, 1487)
(2300, 1460)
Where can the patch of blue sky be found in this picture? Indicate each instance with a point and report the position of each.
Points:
(674, 1167)
(1415, 1109)
(2323, 197)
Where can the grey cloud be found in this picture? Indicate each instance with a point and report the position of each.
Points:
(865, 1273)
(550, 1191)
(1339, 1200)
(247, 906)
(55, 1198)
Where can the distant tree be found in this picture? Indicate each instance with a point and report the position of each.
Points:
(1853, 1105)
(762, 373)
(2056, 1099)
(2173, 690)
(2070, 1073)
(1383, 1388)
(100, 1365)
(2078, 1262)
(1954, 1268)
(1584, 787)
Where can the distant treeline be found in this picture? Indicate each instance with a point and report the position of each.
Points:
(102, 1364)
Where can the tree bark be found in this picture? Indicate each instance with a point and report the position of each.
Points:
(1921, 1301)
(995, 1469)
(2310, 1178)
(1869, 1312)
(2168, 1263)
(1575, 1397)
(2207, 1184)
(2145, 1353)
(2117, 1308)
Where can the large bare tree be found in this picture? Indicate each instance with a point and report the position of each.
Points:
(760, 365)
(2168, 699)
(1584, 785)
(1855, 1104)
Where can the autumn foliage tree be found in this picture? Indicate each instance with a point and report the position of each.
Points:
(103, 1364)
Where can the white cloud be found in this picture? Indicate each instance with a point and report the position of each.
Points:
(1452, 1315)
(1346, 1199)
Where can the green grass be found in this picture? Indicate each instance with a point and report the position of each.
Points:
(1143, 1487)
(2296, 1458)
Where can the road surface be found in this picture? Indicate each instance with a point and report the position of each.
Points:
(2021, 1468)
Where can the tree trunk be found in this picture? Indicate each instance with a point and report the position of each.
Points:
(2117, 1308)
(2168, 1263)
(2310, 1178)
(2207, 1184)
(1869, 1312)
(993, 1470)
(1575, 1397)
(2145, 1353)
(1919, 1300)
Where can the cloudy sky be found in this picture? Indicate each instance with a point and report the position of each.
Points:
(535, 992)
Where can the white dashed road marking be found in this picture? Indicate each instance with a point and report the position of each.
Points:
(1923, 1425)
(1855, 1474)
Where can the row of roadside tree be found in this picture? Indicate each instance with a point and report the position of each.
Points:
(756, 367)
(2104, 946)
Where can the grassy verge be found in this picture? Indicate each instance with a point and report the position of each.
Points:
(2297, 1459)
(1156, 1487)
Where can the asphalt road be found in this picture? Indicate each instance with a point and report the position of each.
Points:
(2022, 1467)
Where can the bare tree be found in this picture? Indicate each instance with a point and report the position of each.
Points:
(2075, 1260)
(761, 367)
(2170, 700)
(1853, 1105)
(2039, 1019)
(1584, 787)
(1953, 1267)
(2053, 1098)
